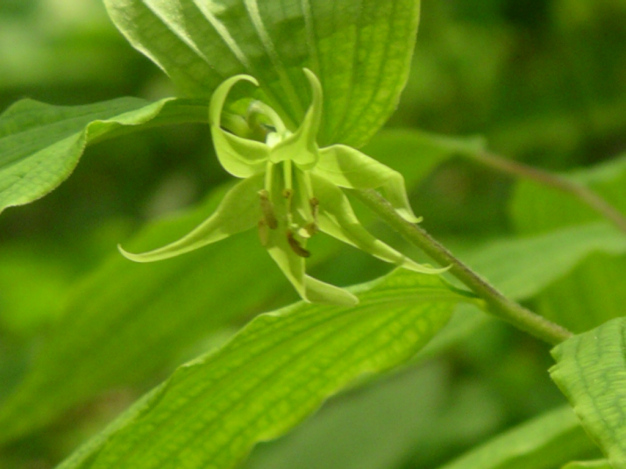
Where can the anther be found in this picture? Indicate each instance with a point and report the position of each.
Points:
(287, 193)
(315, 207)
(267, 209)
(295, 245)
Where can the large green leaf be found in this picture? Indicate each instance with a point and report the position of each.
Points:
(552, 439)
(536, 208)
(126, 321)
(595, 291)
(591, 371)
(131, 299)
(40, 144)
(359, 49)
(373, 427)
(534, 262)
(415, 153)
(274, 373)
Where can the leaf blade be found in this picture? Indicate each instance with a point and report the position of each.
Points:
(301, 355)
(360, 50)
(591, 371)
(555, 437)
(41, 144)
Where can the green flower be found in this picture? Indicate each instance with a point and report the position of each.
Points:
(290, 191)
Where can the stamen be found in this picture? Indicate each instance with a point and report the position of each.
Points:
(267, 209)
(315, 207)
(264, 233)
(308, 230)
(294, 244)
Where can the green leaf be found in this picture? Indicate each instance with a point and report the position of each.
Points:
(415, 153)
(40, 144)
(598, 464)
(595, 291)
(542, 443)
(360, 50)
(537, 208)
(371, 427)
(274, 373)
(534, 262)
(591, 371)
(125, 322)
(133, 301)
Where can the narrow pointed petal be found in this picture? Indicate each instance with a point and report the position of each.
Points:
(239, 210)
(239, 156)
(347, 167)
(337, 219)
(309, 289)
(301, 146)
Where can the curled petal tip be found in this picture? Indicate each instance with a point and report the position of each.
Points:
(129, 255)
(409, 216)
(425, 268)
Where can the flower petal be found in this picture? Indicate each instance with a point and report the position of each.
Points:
(337, 219)
(321, 292)
(301, 146)
(347, 167)
(239, 156)
(309, 288)
(238, 211)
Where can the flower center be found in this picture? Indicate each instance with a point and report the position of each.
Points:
(288, 206)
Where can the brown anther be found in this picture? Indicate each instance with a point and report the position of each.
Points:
(267, 209)
(294, 244)
(315, 207)
(287, 193)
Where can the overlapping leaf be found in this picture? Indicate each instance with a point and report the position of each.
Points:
(131, 300)
(591, 371)
(273, 374)
(596, 290)
(542, 443)
(40, 144)
(360, 50)
(125, 322)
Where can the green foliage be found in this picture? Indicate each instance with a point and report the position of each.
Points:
(359, 50)
(271, 375)
(589, 370)
(41, 144)
(545, 442)
(595, 291)
(194, 361)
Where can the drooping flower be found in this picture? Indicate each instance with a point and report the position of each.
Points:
(290, 191)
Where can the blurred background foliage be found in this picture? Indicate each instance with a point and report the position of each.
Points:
(543, 81)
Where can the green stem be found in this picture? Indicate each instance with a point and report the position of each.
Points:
(581, 192)
(497, 303)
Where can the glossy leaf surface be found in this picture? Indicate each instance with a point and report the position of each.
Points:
(273, 373)
(360, 50)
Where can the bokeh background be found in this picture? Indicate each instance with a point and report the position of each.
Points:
(544, 81)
